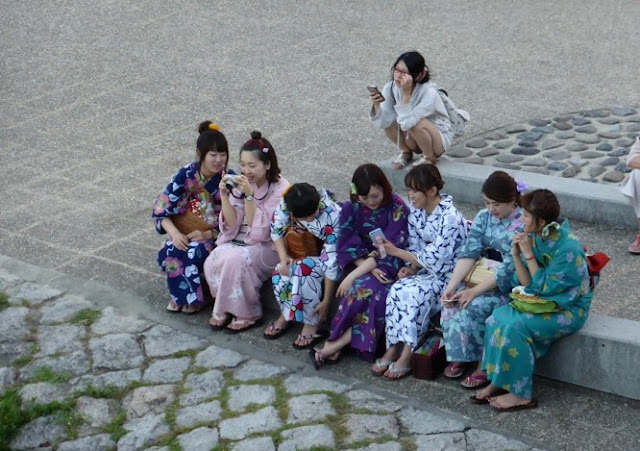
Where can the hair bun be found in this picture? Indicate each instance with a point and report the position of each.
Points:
(207, 125)
(256, 135)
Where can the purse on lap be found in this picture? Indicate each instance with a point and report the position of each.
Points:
(300, 242)
(482, 270)
(191, 220)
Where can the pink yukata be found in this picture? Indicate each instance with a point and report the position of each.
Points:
(238, 266)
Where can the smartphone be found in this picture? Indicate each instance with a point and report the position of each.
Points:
(449, 302)
(377, 238)
(374, 90)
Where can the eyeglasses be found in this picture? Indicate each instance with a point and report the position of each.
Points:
(395, 69)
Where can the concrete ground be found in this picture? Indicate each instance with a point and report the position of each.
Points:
(100, 103)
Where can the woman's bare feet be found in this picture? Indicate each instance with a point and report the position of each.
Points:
(486, 392)
(276, 328)
(510, 402)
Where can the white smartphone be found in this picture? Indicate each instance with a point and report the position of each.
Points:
(377, 238)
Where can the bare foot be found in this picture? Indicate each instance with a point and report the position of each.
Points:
(277, 327)
(486, 392)
(306, 336)
(507, 400)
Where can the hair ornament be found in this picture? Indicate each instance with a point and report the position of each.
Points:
(521, 186)
(354, 190)
(214, 127)
(265, 149)
(286, 190)
(548, 228)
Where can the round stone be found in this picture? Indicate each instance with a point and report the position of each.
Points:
(562, 126)
(595, 171)
(609, 135)
(509, 158)
(577, 162)
(459, 152)
(619, 152)
(586, 129)
(474, 160)
(633, 119)
(558, 166)
(564, 118)
(539, 162)
(565, 134)
(610, 161)
(502, 144)
(625, 142)
(495, 136)
(551, 144)
(609, 120)
(576, 147)
(590, 154)
(476, 143)
(488, 152)
(515, 128)
(623, 111)
(596, 113)
(525, 151)
(546, 129)
(570, 172)
(530, 136)
(605, 147)
(556, 155)
(588, 139)
(635, 127)
(527, 143)
(623, 168)
(578, 121)
(539, 122)
(513, 167)
(613, 176)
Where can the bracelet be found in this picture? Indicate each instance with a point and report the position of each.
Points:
(530, 258)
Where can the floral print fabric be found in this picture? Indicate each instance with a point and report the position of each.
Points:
(435, 240)
(299, 294)
(363, 307)
(187, 190)
(463, 329)
(514, 339)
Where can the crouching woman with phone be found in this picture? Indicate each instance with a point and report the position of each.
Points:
(359, 320)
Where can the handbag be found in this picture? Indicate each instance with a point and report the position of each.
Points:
(482, 270)
(430, 358)
(191, 220)
(300, 242)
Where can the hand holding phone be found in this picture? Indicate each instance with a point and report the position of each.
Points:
(375, 91)
(377, 238)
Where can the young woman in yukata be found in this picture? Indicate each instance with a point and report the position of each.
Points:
(550, 264)
(245, 256)
(411, 112)
(466, 310)
(194, 187)
(300, 284)
(437, 232)
(359, 321)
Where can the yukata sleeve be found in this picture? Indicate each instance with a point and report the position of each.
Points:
(561, 279)
(350, 245)
(397, 229)
(439, 255)
(409, 116)
(329, 256)
(172, 201)
(505, 275)
(386, 114)
(227, 233)
(281, 221)
(474, 244)
(413, 240)
(260, 231)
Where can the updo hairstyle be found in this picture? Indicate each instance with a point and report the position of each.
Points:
(265, 152)
(501, 187)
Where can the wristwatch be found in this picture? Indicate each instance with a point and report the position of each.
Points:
(249, 197)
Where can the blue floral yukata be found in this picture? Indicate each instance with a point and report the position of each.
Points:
(362, 308)
(299, 294)
(187, 190)
(435, 240)
(515, 339)
(463, 329)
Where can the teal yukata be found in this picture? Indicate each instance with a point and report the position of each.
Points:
(463, 329)
(513, 339)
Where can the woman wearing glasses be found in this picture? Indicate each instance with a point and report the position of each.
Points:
(411, 112)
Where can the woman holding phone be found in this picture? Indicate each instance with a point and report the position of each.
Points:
(359, 320)
(411, 112)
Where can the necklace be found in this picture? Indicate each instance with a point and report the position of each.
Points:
(254, 198)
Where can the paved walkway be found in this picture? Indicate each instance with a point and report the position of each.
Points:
(92, 377)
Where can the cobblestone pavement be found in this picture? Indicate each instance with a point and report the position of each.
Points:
(93, 378)
(589, 145)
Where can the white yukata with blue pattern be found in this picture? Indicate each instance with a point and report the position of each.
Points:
(435, 240)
